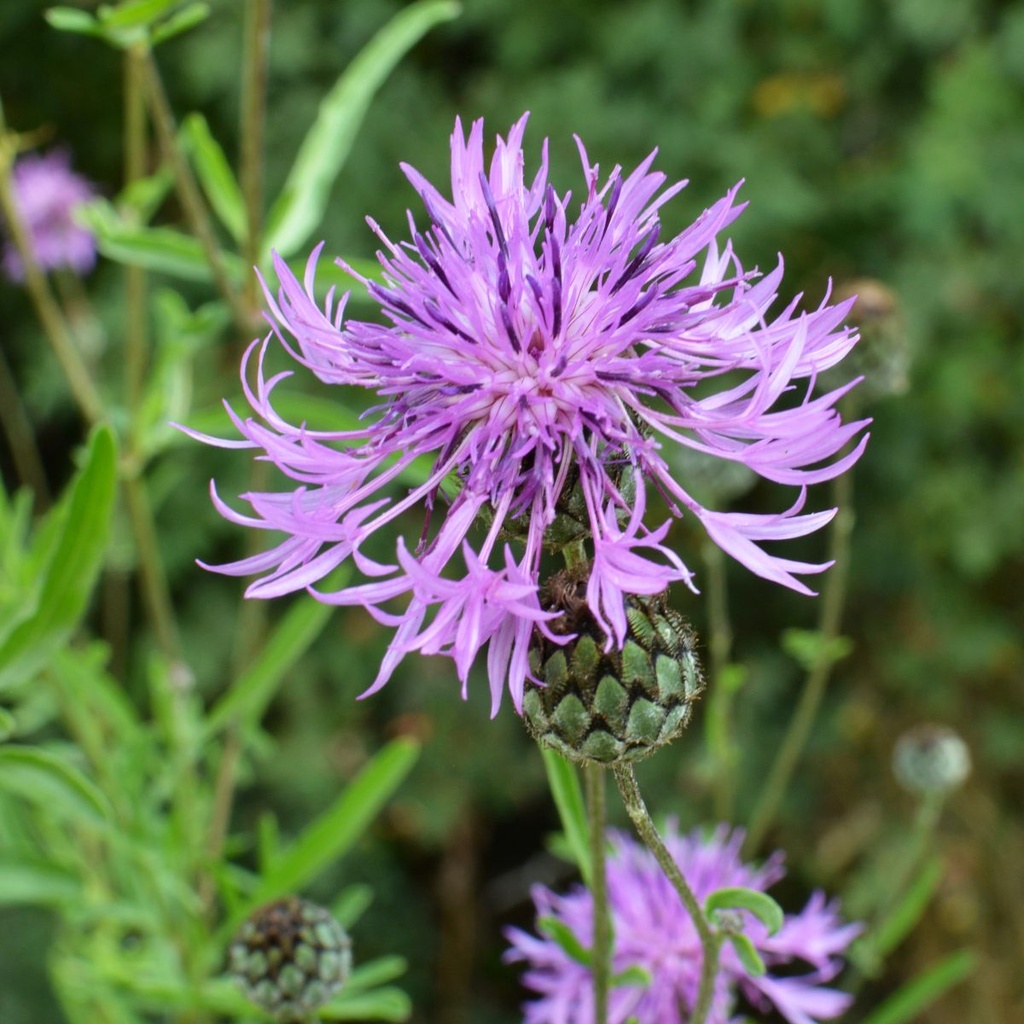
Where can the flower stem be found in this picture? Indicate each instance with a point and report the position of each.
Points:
(593, 775)
(637, 810)
(255, 47)
(188, 191)
(718, 719)
(829, 620)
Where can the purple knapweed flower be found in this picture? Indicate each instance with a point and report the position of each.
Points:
(47, 193)
(653, 931)
(534, 347)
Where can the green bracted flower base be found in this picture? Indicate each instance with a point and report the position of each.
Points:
(614, 706)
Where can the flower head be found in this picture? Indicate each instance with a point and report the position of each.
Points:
(47, 192)
(653, 931)
(538, 350)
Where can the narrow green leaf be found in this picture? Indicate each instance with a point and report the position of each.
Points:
(300, 207)
(83, 515)
(71, 19)
(49, 782)
(388, 1004)
(917, 995)
(179, 22)
(568, 796)
(352, 904)
(133, 13)
(334, 833)
(255, 687)
(140, 199)
(633, 976)
(376, 972)
(36, 883)
(215, 174)
(161, 249)
(760, 904)
(900, 921)
(809, 648)
(749, 956)
(8, 725)
(559, 932)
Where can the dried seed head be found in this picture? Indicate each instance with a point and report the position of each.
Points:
(290, 957)
(610, 706)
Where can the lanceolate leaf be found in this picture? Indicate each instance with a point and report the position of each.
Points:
(76, 553)
(916, 996)
(215, 174)
(300, 207)
(334, 832)
(50, 783)
(248, 698)
(568, 795)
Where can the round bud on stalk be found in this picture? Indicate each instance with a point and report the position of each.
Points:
(610, 706)
(931, 759)
(290, 957)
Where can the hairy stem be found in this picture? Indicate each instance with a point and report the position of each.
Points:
(593, 775)
(637, 810)
(829, 619)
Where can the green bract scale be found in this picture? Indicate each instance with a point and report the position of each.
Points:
(291, 957)
(610, 706)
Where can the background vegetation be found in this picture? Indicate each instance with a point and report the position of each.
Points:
(878, 140)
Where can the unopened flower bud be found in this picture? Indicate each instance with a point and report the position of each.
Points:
(290, 957)
(931, 759)
(617, 705)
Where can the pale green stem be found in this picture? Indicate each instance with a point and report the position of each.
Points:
(136, 341)
(18, 428)
(833, 598)
(637, 810)
(718, 719)
(188, 191)
(256, 47)
(600, 965)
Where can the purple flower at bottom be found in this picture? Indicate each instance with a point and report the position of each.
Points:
(653, 931)
(47, 192)
(534, 348)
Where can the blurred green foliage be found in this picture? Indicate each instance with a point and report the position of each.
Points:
(878, 140)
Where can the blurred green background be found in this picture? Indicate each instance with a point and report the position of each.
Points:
(879, 142)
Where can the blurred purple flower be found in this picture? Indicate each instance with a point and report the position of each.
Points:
(653, 931)
(47, 192)
(526, 354)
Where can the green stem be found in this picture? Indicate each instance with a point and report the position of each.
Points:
(637, 810)
(16, 425)
(188, 191)
(256, 47)
(136, 342)
(718, 720)
(829, 620)
(155, 591)
(593, 775)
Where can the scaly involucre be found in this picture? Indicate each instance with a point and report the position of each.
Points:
(653, 931)
(533, 348)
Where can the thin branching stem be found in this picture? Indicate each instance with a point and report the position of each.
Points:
(638, 813)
